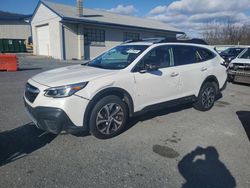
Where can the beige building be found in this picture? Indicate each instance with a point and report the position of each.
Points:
(14, 26)
(68, 32)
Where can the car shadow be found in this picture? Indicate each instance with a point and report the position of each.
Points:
(156, 113)
(244, 117)
(150, 115)
(19, 142)
(142, 117)
(203, 168)
(79, 134)
(163, 111)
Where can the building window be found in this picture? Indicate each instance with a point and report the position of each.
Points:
(94, 37)
(130, 36)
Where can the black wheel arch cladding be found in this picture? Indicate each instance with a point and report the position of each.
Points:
(121, 93)
(212, 79)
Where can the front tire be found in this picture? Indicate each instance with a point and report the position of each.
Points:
(206, 97)
(108, 118)
(231, 78)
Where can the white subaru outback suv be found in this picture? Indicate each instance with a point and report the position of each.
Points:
(134, 77)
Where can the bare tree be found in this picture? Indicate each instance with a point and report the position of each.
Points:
(227, 34)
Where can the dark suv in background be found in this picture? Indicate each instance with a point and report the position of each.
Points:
(231, 53)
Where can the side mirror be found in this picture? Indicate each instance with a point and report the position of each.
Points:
(151, 67)
(148, 67)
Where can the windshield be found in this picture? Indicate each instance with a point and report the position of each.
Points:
(233, 51)
(118, 57)
(245, 55)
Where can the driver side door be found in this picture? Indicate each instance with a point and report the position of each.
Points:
(153, 87)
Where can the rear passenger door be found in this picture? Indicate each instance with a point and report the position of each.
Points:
(191, 68)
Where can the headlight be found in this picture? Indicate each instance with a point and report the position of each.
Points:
(64, 91)
(231, 65)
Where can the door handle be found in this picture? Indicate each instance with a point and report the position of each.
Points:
(174, 74)
(204, 69)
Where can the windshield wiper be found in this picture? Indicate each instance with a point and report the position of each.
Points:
(86, 63)
(93, 65)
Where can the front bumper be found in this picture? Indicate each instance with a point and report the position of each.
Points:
(239, 76)
(51, 119)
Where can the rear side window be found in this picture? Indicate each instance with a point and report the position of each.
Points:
(205, 54)
(185, 55)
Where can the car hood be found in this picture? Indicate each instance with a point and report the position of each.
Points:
(71, 75)
(238, 60)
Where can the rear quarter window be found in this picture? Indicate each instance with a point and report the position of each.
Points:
(205, 54)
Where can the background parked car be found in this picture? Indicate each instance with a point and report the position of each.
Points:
(231, 53)
(239, 68)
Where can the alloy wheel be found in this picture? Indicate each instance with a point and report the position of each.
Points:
(110, 118)
(208, 97)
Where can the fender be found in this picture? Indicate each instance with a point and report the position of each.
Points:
(123, 94)
(213, 79)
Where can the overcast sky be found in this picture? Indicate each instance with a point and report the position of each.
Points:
(188, 15)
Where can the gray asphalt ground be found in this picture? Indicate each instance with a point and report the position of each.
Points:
(178, 147)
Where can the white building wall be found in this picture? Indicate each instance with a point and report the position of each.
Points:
(14, 30)
(74, 41)
(71, 41)
(44, 16)
(148, 34)
(114, 37)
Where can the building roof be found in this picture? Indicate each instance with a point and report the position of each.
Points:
(68, 13)
(8, 16)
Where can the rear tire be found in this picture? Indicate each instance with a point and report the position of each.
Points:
(108, 118)
(206, 97)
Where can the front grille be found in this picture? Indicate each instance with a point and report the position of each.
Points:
(31, 92)
(240, 69)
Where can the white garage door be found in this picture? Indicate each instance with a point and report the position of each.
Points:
(43, 40)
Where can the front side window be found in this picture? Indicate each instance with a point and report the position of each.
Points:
(118, 57)
(245, 55)
(185, 55)
(130, 36)
(94, 37)
(159, 56)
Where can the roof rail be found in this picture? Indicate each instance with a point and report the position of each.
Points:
(194, 41)
(150, 40)
(169, 40)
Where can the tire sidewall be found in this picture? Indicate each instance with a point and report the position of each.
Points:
(198, 105)
(97, 107)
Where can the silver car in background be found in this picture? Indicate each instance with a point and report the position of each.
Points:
(239, 68)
